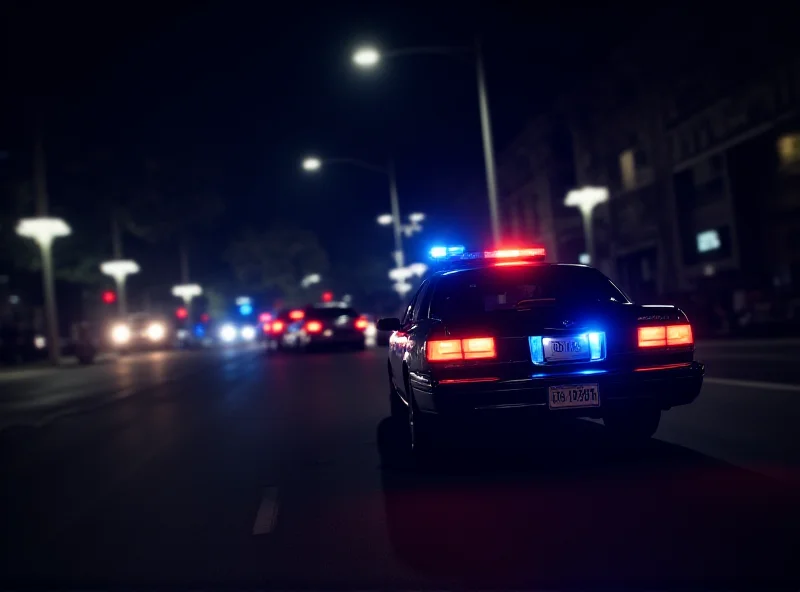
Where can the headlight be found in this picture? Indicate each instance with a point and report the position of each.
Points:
(248, 333)
(227, 333)
(156, 331)
(120, 334)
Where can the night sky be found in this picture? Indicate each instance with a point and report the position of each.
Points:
(241, 91)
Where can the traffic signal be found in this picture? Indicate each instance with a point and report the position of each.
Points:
(327, 296)
(182, 313)
(109, 297)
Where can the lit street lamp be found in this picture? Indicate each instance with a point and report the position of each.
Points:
(43, 230)
(187, 292)
(120, 269)
(367, 57)
(586, 200)
(310, 280)
(314, 163)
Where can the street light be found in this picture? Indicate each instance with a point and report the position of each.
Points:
(310, 280)
(314, 164)
(367, 57)
(120, 269)
(43, 230)
(586, 200)
(187, 292)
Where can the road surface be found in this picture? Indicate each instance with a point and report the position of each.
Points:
(231, 468)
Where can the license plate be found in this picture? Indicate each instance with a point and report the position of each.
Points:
(572, 348)
(569, 396)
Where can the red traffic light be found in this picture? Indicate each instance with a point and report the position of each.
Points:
(109, 297)
(182, 313)
(204, 317)
(327, 296)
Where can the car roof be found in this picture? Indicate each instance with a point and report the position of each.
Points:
(471, 266)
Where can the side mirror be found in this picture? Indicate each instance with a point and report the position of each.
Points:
(390, 324)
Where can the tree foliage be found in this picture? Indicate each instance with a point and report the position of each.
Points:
(275, 261)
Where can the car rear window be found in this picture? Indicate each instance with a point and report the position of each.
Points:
(330, 312)
(484, 290)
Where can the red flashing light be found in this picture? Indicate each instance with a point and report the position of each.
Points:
(313, 327)
(514, 253)
(264, 317)
(266, 327)
(327, 296)
(361, 323)
(109, 297)
(182, 313)
(297, 315)
(277, 326)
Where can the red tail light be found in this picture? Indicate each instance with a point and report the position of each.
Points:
(264, 317)
(663, 336)
(266, 327)
(476, 348)
(297, 315)
(277, 326)
(313, 327)
(361, 324)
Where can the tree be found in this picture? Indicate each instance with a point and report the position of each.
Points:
(276, 261)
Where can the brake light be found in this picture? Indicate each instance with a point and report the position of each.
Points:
(266, 327)
(513, 253)
(297, 315)
(476, 348)
(313, 327)
(277, 326)
(664, 336)
(361, 324)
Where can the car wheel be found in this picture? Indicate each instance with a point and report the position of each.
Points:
(398, 409)
(420, 432)
(634, 424)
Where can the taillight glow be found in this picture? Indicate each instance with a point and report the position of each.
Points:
(297, 315)
(361, 324)
(313, 327)
(264, 317)
(446, 349)
(513, 263)
(266, 327)
(277, 326)
(479, 348)
(512, 253)
(663, 336)
(476, 348)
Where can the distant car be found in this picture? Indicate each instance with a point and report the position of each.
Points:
(330, 325)
(504, 332)
(231, 333)
(273, 331)
(141, 331)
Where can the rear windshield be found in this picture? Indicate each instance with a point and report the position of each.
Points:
(492, 289)
(330, 313)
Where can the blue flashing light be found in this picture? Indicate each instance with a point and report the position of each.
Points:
(455, 250)
(570, 373)
(596, 345)
(246, 310)
(199, 330)
(537, 351)
(438, 252)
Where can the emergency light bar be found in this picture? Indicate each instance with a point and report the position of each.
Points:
(458, 253)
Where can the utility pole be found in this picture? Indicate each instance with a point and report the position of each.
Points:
(40, 168)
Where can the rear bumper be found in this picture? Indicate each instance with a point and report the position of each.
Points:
(336, 339)
(665, 386)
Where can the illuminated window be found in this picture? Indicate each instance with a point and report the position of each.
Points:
(789, 149)
(627, 169)
(708, 240)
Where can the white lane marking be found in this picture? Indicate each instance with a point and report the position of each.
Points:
(774, 386)
(267, 512)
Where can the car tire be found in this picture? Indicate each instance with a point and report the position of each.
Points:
(420, 431)
(397, 407)
(633, 424)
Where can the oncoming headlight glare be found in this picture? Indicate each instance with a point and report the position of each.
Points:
(120, 334)
(227, 333)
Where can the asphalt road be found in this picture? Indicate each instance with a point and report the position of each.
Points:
(230, 468)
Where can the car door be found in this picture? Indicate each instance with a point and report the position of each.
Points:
(398, 341)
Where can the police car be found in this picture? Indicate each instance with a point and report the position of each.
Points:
(504, 331)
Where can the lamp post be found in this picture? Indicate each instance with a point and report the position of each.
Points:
(187, 292)
(120, 269)
(367, 57)
(43, 230)
(586, 200)
(313, 164)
